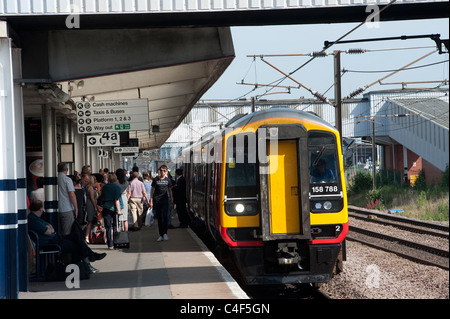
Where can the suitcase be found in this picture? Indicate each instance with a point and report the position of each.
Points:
(120, 237)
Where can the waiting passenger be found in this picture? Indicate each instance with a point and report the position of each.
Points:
(147, 177)
(111, 207)
(67, 201)
(80, 194)
(159, 200)
(38, 194)
(123, 184)
(72, 243)
(91, 208)
(179, 195)
(136, 195)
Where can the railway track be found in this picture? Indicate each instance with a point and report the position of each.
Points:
(408, 224)
(368, 231)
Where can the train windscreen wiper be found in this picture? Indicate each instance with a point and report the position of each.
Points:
(322, 149)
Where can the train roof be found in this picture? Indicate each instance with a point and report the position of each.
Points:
(245, 119)
(242, 120)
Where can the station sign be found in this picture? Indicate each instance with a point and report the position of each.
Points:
(105, 139)
(126, 150)
(112, 116)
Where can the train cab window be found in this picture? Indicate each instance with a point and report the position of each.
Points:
(325, 185)
(240, 170)
(322, 158)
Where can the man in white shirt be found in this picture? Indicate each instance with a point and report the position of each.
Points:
(67, 202)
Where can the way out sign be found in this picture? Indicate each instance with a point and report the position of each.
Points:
(105, 139)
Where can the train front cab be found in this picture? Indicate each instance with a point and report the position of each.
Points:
(294, 221)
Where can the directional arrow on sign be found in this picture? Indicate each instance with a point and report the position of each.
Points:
(92, 140)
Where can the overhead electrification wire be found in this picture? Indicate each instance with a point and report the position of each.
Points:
(399, 49)
(249, 68)
(342, 37)
(315, 55)
(385, 71)
(322, 52)
(362, 89)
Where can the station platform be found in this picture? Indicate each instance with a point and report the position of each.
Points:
(180, 268)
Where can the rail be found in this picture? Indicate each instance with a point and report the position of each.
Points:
(412, 250)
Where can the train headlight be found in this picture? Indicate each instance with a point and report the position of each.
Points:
(327, 205)
(318, 205)
(239, 208)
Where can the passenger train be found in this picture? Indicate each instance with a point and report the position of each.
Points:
(270, 187)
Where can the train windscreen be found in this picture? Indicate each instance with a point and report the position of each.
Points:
(323, 164)
(241, 179)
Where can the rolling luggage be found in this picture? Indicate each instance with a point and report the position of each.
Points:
(120, 236)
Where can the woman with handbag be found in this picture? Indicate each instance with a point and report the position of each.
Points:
(123, 184)
(87, 182)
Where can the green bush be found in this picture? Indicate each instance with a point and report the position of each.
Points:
(361, 182)
(388, 176)
(445, 176)
(420, 184)
(388, 193)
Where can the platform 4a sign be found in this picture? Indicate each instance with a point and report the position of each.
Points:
(105, 139)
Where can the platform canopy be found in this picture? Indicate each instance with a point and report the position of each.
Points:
(170, 67)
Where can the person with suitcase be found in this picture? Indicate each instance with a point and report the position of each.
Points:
(111, 207)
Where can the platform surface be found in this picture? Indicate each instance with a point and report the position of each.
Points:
(180, 268)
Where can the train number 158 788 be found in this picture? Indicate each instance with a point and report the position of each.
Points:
(325, 189)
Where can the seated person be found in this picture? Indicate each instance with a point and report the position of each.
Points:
(73, 243)
(321, 173)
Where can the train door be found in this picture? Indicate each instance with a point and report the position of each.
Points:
(211, 173)
(284, 182)
(283, 188)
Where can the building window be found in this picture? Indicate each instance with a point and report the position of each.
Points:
(188, 118)
(212, 116)
(421, 129)
(444, 140)
(436, 133)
